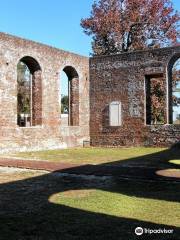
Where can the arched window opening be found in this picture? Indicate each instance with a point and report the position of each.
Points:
(29, 93)
(69, 97)
(175, 92)
(64, 99)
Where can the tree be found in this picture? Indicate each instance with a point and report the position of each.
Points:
(126, 25)
(64, 104)
(23, 88)
(157, 101)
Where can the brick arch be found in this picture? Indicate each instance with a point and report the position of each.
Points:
(172, 60)
(73, 92)
(35, 89)
(170, 65)
(32, 63)
(71, 72)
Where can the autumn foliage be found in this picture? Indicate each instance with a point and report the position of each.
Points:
(157, 95)
(126, 25)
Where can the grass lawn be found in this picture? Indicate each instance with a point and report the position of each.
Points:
(175, 162)
(49, 207)
(89, 155)
(121, 205)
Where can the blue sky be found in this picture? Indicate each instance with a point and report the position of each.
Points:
(54, 22)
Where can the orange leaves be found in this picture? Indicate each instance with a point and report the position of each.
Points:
(123, 25)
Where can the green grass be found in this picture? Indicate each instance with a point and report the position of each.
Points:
(89, 155)
(74, 208)
(175, 161)
(121, 205)
(48, 207)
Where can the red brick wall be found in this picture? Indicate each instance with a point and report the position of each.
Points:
(36, 98)
(47, 132)
(122, 78)
(74, 102)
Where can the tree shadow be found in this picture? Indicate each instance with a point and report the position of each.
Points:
(144, 167)
(27, 213)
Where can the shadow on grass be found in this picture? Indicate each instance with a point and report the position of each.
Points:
(26, 212)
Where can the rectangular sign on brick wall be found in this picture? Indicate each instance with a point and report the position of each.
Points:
(115, 114)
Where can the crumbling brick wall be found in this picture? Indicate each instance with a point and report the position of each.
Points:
(48, 132)
(119, 78)
(122, 78)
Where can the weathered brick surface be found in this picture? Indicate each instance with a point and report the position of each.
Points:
(122, 78)
(74, 103)
(112, 78)
(37, 99)
(49, 132)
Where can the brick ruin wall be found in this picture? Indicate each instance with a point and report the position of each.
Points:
(122, 78)
(112, 78)
(50, 133)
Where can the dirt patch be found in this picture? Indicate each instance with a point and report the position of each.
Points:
(173, 173)
(77, 193)
(8, 174)
(24, 191)
(71, 194)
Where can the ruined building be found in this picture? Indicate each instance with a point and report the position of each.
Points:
(127, 99)
(135, 98)
(39, 124)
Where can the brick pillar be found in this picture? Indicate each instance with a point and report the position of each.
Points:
(74, 102)
(36, 98)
